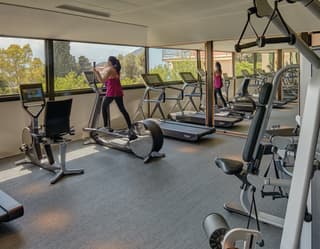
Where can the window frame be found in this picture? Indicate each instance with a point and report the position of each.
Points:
(50, 91)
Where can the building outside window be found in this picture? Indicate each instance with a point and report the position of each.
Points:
(169, 62)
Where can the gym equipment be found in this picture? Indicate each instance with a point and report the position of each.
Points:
(213, 222)
(56, 127)
(252, 155)
(222, 237)
(173, 129)
(10, 209)
(262, 78)
(285, 144)
(302, 176)
(195, 91)
(221, 120)
(149, 139)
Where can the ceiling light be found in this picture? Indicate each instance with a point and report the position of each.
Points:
(83, 10)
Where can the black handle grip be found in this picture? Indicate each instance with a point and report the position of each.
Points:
(238, 47)
(262, 41)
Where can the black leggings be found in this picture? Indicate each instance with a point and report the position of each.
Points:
(217, 91)
(105, 110)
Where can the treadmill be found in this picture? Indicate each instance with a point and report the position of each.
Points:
(173, 129)
(10, 209)
(223, 119)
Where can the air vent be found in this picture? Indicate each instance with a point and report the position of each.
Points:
(83, 10)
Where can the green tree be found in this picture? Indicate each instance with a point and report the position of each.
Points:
(18, 66)
(64, 62)
(70, 81)
(162, 70)
(129, 66)
(14, 62)
(84, 64)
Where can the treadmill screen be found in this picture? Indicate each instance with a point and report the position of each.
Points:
(152, 79)
(32, 93)
(188, 77)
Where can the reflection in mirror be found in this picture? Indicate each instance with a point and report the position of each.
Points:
(243, 77)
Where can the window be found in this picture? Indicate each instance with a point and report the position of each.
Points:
(266, 62)
(290, 57)
(169, 62)
(244, 63)
(225, 60)
(21, 61)
(72, 58)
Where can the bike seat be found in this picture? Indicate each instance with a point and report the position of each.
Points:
(229, 166)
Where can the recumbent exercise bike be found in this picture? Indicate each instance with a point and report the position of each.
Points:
(36, 138)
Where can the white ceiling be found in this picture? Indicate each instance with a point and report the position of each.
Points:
(139, 22)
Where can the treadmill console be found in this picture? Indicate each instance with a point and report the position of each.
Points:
(31, 93)
(188, 77)
(152, 79)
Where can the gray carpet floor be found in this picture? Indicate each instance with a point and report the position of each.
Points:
(121, 203)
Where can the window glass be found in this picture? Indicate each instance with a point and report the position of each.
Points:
(21, 61)
(244, 63)
(225, 59)
(169, 62)
(290, 57)
(72, 58)
(266, 62)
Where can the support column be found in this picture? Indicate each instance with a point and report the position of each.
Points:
(234, 77)
(279, 66)
(49, 68)
(255, 64)
(209, 85)
(147, 70)
(199, 62)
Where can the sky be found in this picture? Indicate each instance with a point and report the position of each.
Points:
(94, 52)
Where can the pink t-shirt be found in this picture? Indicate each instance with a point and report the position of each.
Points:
(217, 81)
(114, 88)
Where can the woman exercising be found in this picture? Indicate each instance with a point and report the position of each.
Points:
(110, 75)
(218, 84)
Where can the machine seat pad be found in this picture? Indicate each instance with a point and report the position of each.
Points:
(229, 166)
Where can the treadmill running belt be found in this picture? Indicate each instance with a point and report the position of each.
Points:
(200, 119)
(183, 131)
(10, 209)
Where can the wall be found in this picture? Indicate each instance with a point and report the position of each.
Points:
(15, 118)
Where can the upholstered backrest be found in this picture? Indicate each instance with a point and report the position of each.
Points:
(255, 127)
(57, 118)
